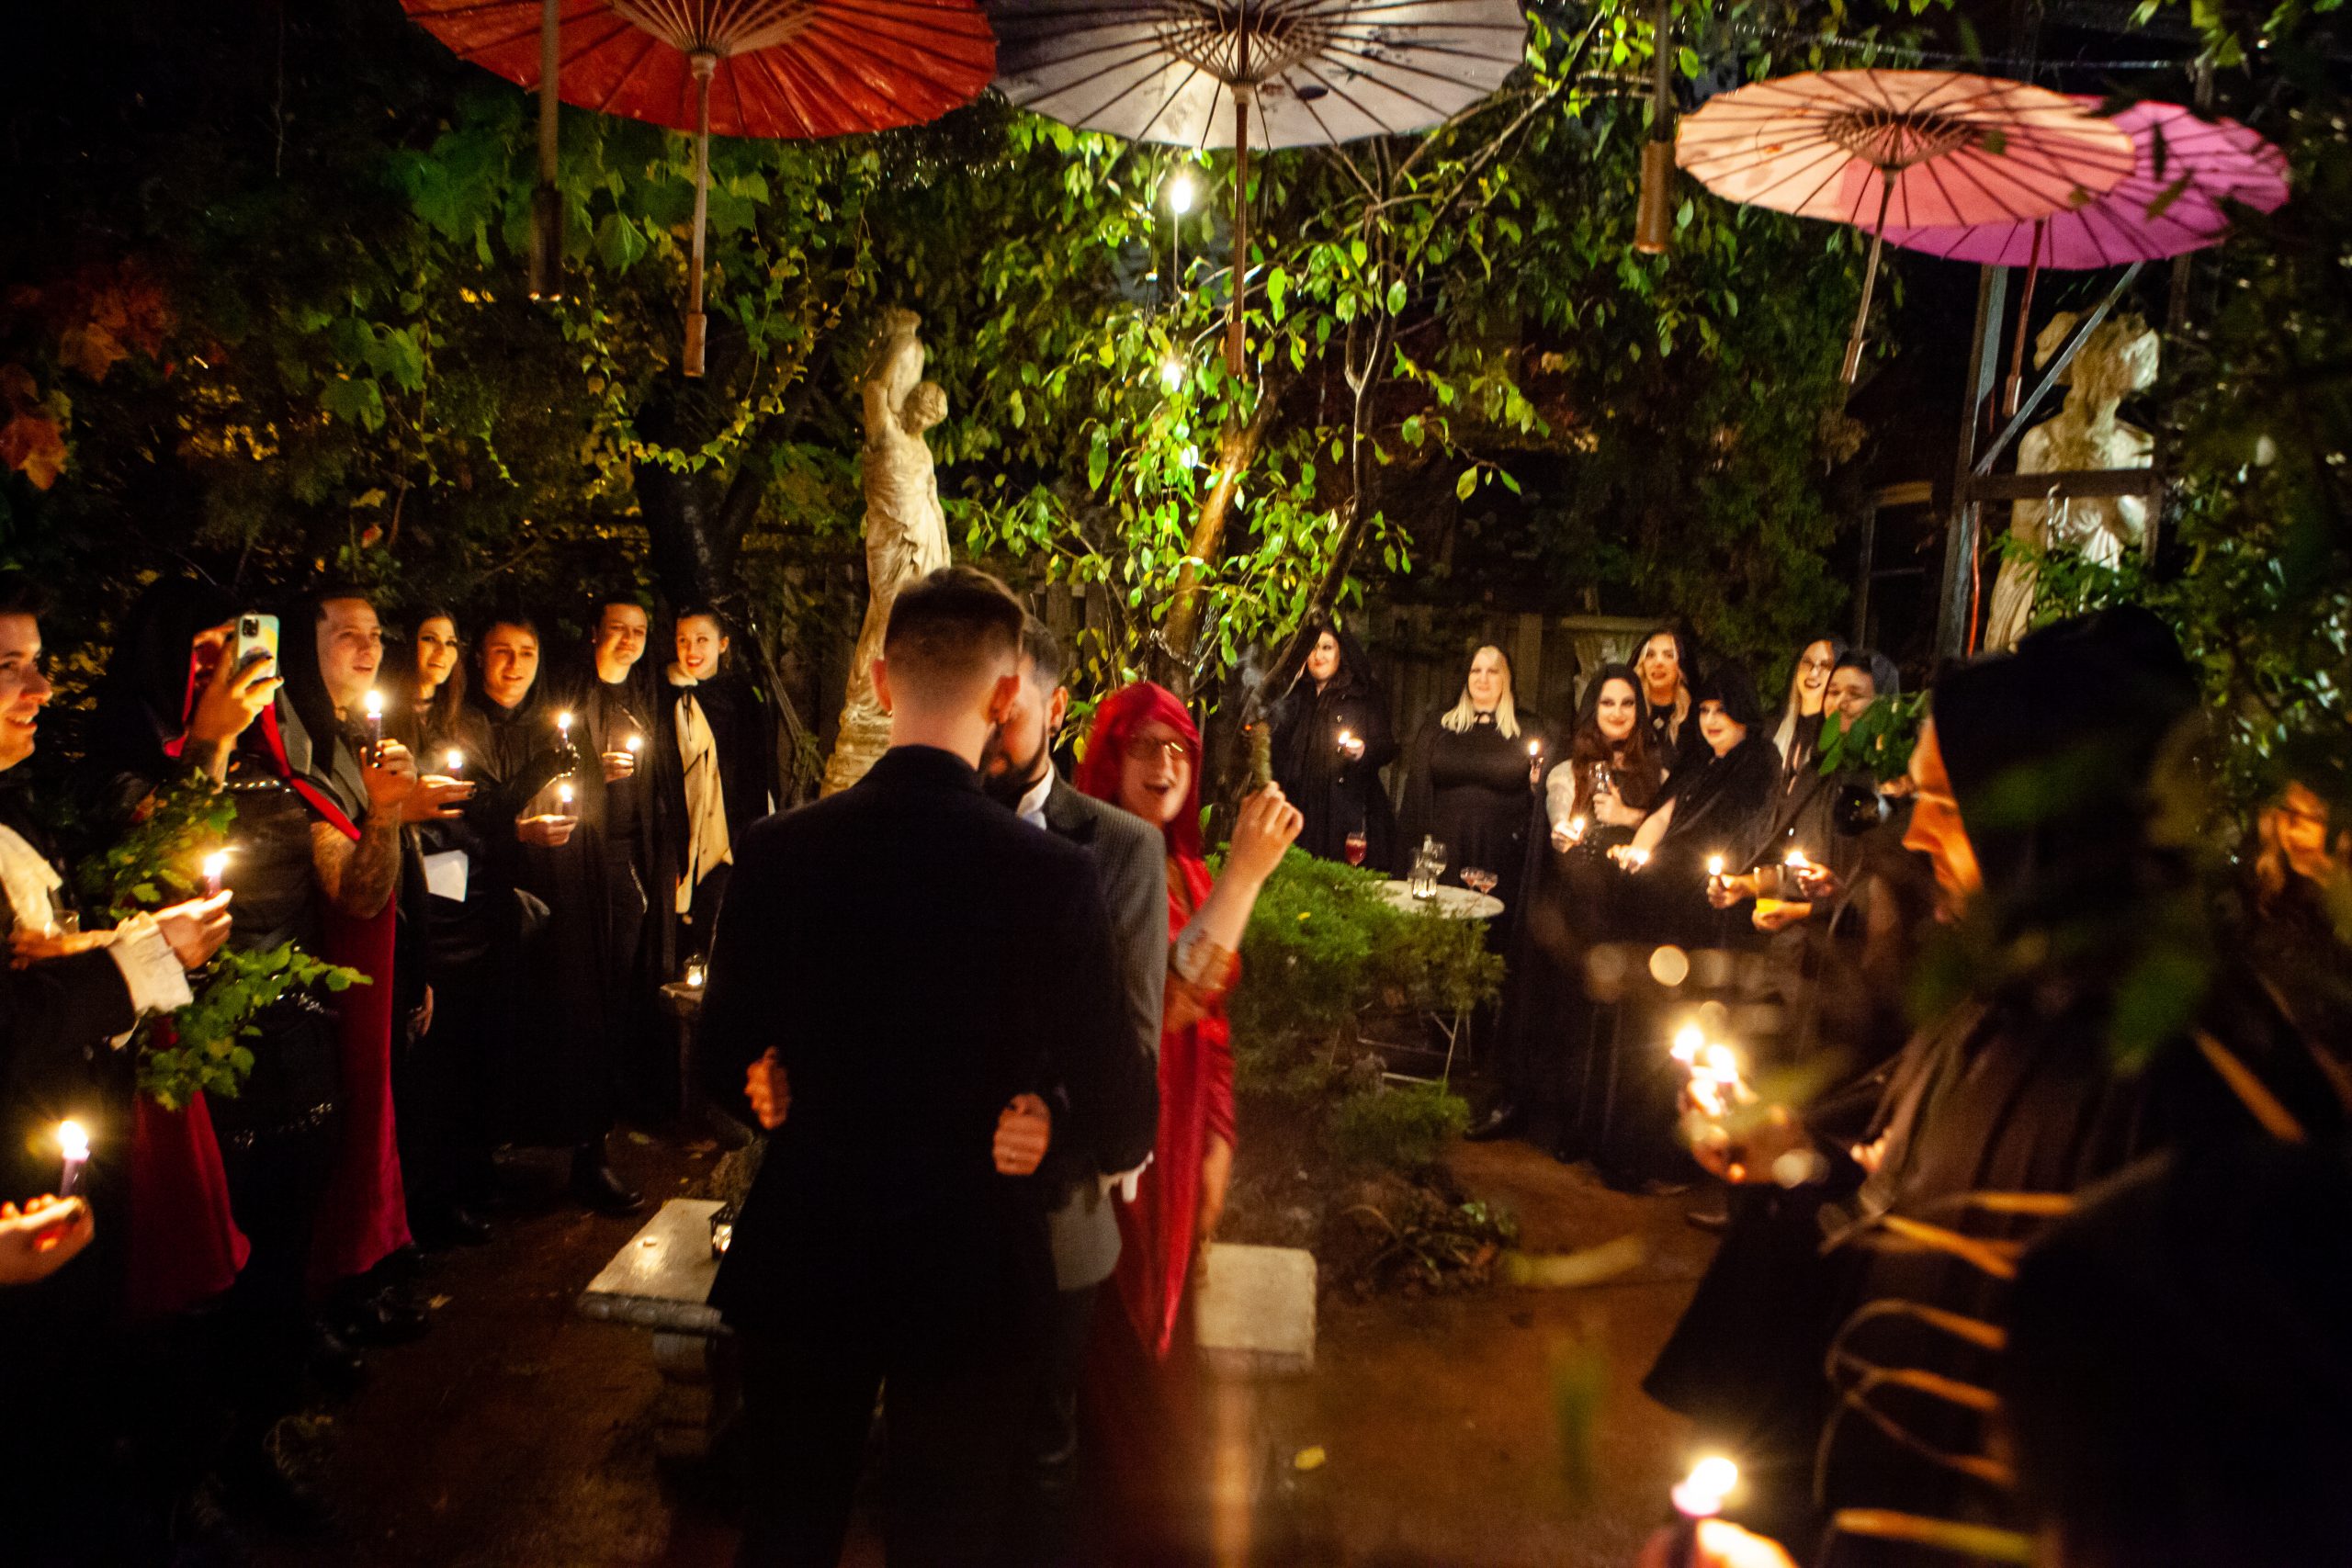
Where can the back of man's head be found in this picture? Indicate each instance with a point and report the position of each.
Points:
(1041, 651)
(950, 636)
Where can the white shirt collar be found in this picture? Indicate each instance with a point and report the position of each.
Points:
(1032, 808)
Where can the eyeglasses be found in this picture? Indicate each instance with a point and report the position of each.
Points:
(1143, 749)
(1820, 664)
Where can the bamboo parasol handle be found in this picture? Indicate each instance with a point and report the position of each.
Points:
(1870, 283)
(705, 64)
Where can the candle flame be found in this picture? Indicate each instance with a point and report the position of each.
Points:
(374, 702)
(563, 722)
(216, 863)
(634, 743)
(1714, 865)
(1796, 861)
(455, 760)
(73, 1140)
(1688, 1042)
(1576, 827)
(1700, 1495)
(1721, 1064)
(563, 793)
(1637, 858)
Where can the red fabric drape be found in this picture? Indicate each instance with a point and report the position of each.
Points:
(363, 1218)
(1158, 1230)
(185, 1245)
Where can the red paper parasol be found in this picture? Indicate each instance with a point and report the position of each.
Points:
(792, 69)
(1914, 148)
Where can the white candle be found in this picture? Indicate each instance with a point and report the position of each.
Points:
(454, 761)
(563, 728)
(563, 796)
(73, 1142)
(215, 865)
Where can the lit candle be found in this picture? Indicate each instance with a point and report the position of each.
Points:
(694, 973)
(563, 797)
(1576, 830)
(373, 703)
(1796, 861)
(1636, 858)
(215, 865)
(1688, 1042)
(454, 763)
(563, 728)
(634, 744)
(1714, 867)
(73, 1142)
(1346, 736)
(1699, 1495)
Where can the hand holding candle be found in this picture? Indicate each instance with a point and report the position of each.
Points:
(1351, 745)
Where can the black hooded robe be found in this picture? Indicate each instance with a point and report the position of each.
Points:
(1339, 795)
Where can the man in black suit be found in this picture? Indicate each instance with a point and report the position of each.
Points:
(1131, 865)
(925, 969)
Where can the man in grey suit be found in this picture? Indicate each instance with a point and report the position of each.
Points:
(1130, 863)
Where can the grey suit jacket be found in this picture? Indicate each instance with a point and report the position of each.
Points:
(1131, 862)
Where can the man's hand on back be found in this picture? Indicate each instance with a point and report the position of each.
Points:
(1023, 1130)
(769, 1091)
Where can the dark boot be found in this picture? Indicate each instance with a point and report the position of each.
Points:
(596, 1186)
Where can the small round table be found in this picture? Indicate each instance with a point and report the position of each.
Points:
(1453, 903)
(1445, 904)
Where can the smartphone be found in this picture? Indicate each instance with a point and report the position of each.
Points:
(257, 635)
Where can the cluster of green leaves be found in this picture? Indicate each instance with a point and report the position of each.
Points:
(158, 859)
(1400, 1128)
(1880, 742)
(199, 1048)
(1325, 946)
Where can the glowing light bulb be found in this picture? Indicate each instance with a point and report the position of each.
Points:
(1181, 191)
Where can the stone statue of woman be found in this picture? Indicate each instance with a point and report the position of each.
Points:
(905, 530)
(2118, 360)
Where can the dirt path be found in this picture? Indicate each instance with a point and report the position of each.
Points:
(520, 1436)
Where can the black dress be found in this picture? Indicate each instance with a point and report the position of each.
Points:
(1470, 791)
(561, 1075)
(1338, 794)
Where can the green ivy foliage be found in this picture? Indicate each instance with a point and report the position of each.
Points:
(199, 1048)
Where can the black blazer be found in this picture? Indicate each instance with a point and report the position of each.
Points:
(916, 955)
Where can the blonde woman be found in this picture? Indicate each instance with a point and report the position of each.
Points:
(1470, 778)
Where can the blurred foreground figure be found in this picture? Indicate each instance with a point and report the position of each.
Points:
(2101, 1020)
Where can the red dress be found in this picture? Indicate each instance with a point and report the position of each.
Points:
(185, 1245)
(363, 1217)
(1143, 1381)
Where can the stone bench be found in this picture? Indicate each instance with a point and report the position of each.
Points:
(660, 1281)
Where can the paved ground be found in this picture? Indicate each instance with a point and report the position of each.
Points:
(520, 1436)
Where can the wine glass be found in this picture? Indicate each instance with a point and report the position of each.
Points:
(1355, 846)
(1478, 880)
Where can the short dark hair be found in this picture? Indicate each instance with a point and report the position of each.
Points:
(1885, 680)
(21, 595)
(326, 592)
(951, 627)
(628, 597)
(695, 612)
(1042, 649)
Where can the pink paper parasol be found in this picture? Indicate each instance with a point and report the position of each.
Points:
(1917, 148)
(2186, 169)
